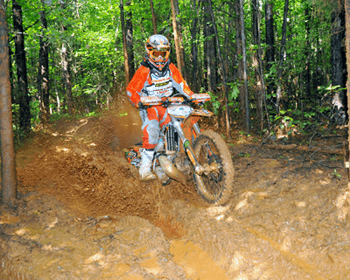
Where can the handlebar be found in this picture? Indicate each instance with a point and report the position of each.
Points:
(196, 98)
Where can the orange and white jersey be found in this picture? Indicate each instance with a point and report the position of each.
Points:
(147, 83)
(161, 86)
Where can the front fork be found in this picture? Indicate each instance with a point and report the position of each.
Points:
(198, 168)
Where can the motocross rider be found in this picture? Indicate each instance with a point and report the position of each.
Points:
(156, 76)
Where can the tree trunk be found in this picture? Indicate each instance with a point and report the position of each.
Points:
(210, 49)
(125, 51)
(307, 74)
(280, 65)
(128, 48)
(11, 73)
(153, 18)
(67, 77)
(180, 55)
(24, 99)
(43, 81)
(338, 64)
(260, 88)
(130, 42)
(224, 79)
(66, 68)
(194, 48)
(347, 45)
(8, 171)
(270, 42)
(239, 57)
(245, 74)
(229, 46)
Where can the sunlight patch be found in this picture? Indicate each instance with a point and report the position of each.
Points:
(217, 210)
(244, 202)
(49, 248)
(50, 226)
(94, 258)
(238, 261)
(343, 204)
(21, 231)
(74, 129)
(59, 149)
(220, 217)
(300, 204)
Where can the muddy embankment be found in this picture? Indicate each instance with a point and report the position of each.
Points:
(83, 214)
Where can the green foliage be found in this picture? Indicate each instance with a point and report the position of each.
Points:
(336, 175)
(91, 31)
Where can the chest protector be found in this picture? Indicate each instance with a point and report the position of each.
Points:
(161, 85)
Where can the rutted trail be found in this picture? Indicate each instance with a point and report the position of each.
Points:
(83, 214)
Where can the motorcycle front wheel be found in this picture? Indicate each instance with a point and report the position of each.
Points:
(216, 187)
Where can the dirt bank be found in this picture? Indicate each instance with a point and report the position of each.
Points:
(83, 213)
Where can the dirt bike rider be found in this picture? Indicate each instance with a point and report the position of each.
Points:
(156, 76)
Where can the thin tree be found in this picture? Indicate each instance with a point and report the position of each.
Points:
(338, 63)
(127, 43)
(180, 55)
(130, 41)
(239, 55)
(8, 173)
(257, 62)
(210, 48)
(43, 75)
(21, 64)
(280, 64)
(66, 67)
(224, 79)
(245, 67)
(270, 42)
(154, 21)
(125, 51)
(307, 72)
(347, 45)
(194, 47)
(230, 57)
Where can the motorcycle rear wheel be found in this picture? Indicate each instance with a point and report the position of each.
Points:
(216, 188)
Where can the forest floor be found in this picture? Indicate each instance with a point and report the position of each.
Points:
(82, 212)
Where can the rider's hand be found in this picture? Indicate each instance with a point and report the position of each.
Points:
(140, 106)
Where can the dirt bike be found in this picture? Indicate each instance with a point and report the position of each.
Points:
(185, 151)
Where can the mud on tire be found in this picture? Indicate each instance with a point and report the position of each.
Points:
(216, 189)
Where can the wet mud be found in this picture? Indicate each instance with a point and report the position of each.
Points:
(82, 212)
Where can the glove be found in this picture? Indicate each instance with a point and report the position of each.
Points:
(140, 106)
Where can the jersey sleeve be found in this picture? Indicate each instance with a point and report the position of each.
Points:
(178, 81)
(136, 85)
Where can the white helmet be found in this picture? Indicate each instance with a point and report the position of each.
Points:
(158, 50)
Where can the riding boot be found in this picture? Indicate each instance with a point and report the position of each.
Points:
(146, 163)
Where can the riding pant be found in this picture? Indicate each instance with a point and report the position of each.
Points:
(153, 120)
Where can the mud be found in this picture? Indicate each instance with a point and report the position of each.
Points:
(82, 213)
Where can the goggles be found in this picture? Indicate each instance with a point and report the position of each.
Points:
(160, 54)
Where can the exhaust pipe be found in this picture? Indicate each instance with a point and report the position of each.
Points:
(170, 169)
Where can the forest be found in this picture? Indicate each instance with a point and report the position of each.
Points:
(267, 64)
(72, 205)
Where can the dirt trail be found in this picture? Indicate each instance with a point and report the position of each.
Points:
(83, 213)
